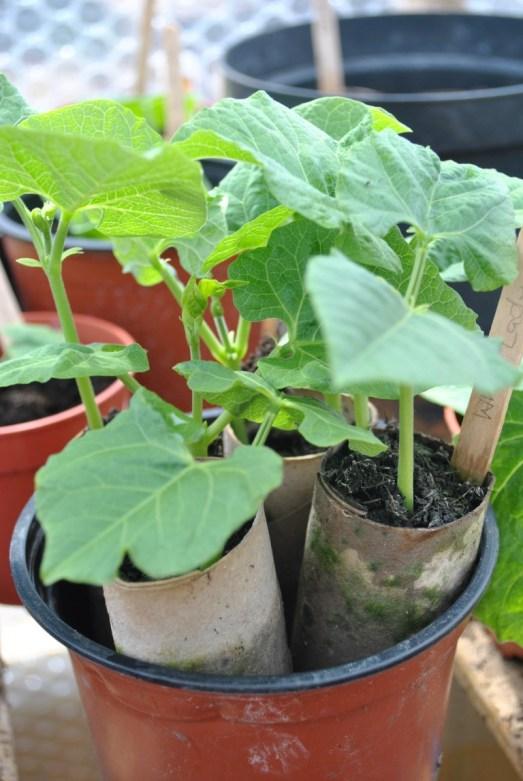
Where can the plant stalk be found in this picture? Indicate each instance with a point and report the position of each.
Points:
(176, 289)
(217, 426)
(240, 429)
(333, 400)
(130, 382)
(418, 270)
(65, 315)
(264, 429)
(406, 447)
(361, 410)
(25, 216)
(243, 331)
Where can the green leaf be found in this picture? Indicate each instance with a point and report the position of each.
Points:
(298, 366)
(365, 248)
(300, 162)
(276, 277)
(372, 336)
(98, 156)
(24, 337)
(515, 189)
(323, 427)
(502, 606)
(13, 108)
(247, 194)
(68, 361)
(384, 120)
(249, 396)
(214, 288)
(466, 212)
(454, 396)
(133, 488)
(134, 256)
(434, 292)
(29, 262)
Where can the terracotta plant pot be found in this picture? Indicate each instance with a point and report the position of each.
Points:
(25, 447)
(365, 586)
(96, 286)
(380, 719)
(201, 621)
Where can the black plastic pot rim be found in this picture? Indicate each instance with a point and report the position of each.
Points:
(371, 96)
(16, 230)
(165, 676)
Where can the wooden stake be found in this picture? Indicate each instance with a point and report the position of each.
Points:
(485, 415)
(174, 97)
(144, 46)
(9, 306)
(326, 44)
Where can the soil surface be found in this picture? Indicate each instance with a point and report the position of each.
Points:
(440, 495)
(264, 348)
(285, 443)
(22, 403)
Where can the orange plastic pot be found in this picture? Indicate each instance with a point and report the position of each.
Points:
(378, 719)
(25, 447)
(96, 286)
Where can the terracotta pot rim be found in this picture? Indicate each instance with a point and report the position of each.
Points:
(26, 546)
(59, 417)
(14, 230)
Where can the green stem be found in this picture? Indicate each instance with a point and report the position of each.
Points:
(240, 429)
(223, 333)
(243, 331)
(197, 398)
(406, 447)
(130, 382)
(334, 401)
(216, 428)
(25, 216)
(264, 429)
(361, 410)
(65, 315)
(176, 289)
(418, 270)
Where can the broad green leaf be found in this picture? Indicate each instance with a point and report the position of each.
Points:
(134, 256)
(348, 120)
(138, 184)
(194, 250)
(299, 161)
(434, 292)
(454, 396)
(372, 336)
(502, 606)
(365, 248)
(276, 277)
(247, 194)
(323, 427)
(133, 488)
(303, 366)
(69, 361)
(343, 119)
(515, 188)
(243, 394)
(247, 395)
(24, 337)
(384, 120)
(98, 119)
(180, 422)
(464, 211)
(13, 108)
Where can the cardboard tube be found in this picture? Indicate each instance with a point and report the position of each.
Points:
(226, 619)
(365, 586)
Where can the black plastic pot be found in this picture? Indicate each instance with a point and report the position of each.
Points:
(455, 79)
(370, 720)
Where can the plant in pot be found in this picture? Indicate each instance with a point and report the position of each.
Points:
(95, 281)
(142, 469)
(39, 419)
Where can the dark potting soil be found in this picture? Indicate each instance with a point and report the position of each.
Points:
(22, 403)
(285, 443)
(440, 495)
(264, 348)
